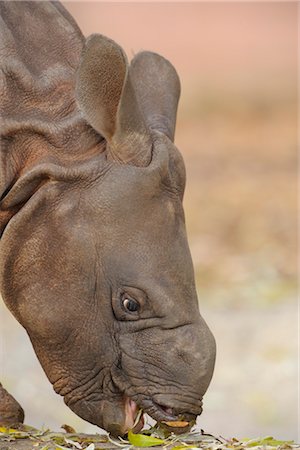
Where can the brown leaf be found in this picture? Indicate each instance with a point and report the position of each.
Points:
(176, 424)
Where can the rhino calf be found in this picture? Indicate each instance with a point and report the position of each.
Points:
(95, 262)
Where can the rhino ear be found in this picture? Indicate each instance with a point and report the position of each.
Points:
(107, 99)
(158, 88)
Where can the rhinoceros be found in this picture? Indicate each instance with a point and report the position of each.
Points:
(95, 262)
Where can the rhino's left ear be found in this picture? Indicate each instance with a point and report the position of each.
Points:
(158, 89)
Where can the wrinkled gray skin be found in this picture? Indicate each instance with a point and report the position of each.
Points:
(92, 222)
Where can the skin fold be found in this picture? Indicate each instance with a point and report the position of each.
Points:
(94, 261)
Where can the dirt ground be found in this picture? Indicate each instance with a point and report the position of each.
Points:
(237, 131)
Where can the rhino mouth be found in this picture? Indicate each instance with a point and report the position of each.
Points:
(163, 413)
(158, 412)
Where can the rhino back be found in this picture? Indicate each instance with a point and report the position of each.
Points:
(40, 121)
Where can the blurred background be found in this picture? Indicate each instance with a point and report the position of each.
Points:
(237, 132)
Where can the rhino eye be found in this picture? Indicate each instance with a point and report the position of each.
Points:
(130, 305)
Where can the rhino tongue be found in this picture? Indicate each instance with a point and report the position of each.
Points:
(131, 411)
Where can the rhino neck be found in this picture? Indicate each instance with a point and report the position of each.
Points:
(40, 121)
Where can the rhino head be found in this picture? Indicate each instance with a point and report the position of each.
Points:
(97, 264)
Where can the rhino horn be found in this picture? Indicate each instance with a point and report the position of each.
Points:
(106, 96)
(158, 88)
